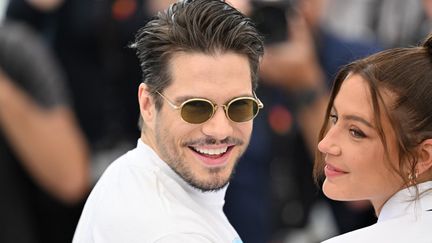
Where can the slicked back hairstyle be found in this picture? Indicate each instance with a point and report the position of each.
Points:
(407, 74)
(203, 26)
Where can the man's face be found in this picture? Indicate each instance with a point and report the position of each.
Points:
(204, 154)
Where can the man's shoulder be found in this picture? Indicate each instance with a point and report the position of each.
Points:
(131, 167)
(124, 204)
(133, 186)
(129, 177)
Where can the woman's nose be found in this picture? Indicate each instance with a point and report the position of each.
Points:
(328, 145)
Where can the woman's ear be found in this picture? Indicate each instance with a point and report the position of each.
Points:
(425, 159)
(146, 104)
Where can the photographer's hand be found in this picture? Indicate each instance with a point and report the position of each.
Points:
(243, 6)
(293, 64)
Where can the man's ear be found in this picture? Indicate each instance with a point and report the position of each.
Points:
(146, 104)
(425, 159)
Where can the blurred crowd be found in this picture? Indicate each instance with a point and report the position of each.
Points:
(68, 106)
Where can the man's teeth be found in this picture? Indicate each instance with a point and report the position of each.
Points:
(212, 151)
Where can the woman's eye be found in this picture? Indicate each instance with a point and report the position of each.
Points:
(357, 133)
(333, 118)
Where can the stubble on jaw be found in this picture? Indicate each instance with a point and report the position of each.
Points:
(172, 156)
(214, 180)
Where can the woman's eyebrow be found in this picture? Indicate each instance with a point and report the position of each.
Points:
(357, 118)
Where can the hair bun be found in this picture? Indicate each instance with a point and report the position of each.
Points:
(427, 44)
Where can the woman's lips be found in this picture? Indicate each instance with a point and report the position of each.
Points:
(332, 171)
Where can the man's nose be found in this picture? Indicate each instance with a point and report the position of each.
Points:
(219, 126)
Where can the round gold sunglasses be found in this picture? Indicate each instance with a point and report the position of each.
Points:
(199, 110)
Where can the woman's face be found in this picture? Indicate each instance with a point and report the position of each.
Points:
(357, 167)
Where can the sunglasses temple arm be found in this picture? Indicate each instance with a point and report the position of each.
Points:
(260, 104)
(169, 102)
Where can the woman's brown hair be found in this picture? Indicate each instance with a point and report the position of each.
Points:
(407, 74)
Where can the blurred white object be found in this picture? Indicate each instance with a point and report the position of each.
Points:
(390, 22)
(3, 4)
(321, 226)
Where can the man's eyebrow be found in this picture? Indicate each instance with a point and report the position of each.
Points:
(183, 98)
(359, 119)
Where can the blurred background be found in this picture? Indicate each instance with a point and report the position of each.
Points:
(68, 108)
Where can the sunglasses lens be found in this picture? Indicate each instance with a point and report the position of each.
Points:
(242, 110)
(197, 111)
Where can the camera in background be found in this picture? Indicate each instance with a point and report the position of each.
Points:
(271, 18)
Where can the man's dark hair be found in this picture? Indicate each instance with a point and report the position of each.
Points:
(204, 26)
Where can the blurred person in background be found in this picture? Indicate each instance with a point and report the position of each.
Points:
(44, 169)
(90, 39)
(199, 62)
(376, 143)
(300, 61)
(392, 23)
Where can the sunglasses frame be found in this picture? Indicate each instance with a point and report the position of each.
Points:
(215, 106)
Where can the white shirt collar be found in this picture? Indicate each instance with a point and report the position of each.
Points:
(402, 202)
